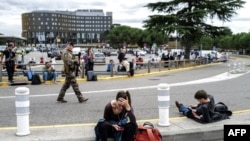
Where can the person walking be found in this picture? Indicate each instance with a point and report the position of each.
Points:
(69, 68)
(10, 58)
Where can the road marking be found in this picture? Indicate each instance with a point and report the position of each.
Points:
(93, 124)
(220, 77)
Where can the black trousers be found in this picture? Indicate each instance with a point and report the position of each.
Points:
(10, 67)
(89, 67)
(107, 131)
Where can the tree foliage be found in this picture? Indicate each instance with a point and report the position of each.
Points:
(190, 18)
(136, 37)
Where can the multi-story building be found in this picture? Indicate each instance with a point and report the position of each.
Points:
(80, 26)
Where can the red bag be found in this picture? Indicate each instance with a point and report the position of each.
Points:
(147, 132)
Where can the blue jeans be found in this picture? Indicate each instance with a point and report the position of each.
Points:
(184, 110)
(49, 76)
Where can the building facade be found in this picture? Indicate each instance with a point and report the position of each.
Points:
(80, 26)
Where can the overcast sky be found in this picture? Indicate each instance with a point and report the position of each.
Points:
(125, 12)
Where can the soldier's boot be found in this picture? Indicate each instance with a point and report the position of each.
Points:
(81, 99)
(61, 99)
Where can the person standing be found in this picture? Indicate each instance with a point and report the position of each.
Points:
(69, 68)
(90, 60)
(10, 58)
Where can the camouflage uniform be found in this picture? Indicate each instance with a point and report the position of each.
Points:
(69, 69)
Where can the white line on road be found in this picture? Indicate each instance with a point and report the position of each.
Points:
(220, 77)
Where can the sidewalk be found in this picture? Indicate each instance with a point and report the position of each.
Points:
(180, 129)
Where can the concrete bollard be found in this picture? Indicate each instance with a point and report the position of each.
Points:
(163, 104)
(22, 111)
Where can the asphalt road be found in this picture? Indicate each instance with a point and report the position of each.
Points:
(44, 110)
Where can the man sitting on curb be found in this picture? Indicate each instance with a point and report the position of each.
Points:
(49, 73)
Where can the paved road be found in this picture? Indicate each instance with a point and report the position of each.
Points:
(45, 110)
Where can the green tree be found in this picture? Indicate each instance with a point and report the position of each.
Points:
(245, 42)
(152, 36)
(226, 43)
(190, 18)
(134, 36)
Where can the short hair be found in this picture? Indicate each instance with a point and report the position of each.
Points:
(10, 44)
(70, 43)
(200, 94)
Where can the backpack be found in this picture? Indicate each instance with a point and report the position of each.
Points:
(222, 108)
(147, 132)
(36, 79)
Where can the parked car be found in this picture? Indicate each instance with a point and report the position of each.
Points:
(57, 54)
(99, 58)
(76, 51)
(106, 52)
(2, 48)
(28, 49)
(113, 52)
(140, 52)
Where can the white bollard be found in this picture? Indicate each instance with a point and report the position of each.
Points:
(22, 111)
(163, 104)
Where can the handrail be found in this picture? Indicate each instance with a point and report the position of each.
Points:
(147, 65)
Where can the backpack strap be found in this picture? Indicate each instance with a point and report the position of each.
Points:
(150, 129)
(150, 134)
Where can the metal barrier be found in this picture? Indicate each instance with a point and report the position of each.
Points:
(148, 65)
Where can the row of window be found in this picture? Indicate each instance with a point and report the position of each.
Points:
(73, 21)
(75, 17)
(71, 29)
(62, 35)
(75, 25)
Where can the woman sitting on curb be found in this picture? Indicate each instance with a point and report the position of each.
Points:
(119, 120)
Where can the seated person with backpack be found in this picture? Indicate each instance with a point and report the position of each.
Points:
(204, 112)
(119, 121)
(49, 73)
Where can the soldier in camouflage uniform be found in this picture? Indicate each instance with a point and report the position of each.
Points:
(69, 69)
